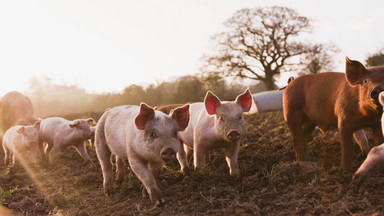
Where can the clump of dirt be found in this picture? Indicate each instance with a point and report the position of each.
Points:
(271, 182)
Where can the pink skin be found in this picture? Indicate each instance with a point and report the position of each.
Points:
(143, 136)
(60, 133)
(215, 124)
(18, 140)
(375, 156)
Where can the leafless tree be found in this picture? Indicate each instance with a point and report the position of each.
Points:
(259, 44)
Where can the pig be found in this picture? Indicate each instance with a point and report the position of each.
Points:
(59, 133)
(15, 109)
(145, 137)
(19, 140)
(331, 100)
(92, 140)
(375, 156)
(214, 124)
(167, 108)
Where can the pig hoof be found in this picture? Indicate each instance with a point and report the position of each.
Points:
(357, 179)
(155, 195)
(186, 171)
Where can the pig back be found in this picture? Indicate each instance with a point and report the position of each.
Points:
(119, 123)
(319, 96)
(15, 109)
(52, 127)
(199, 122)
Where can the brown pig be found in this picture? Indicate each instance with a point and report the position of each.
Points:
(167, 108)
(375, 156)
(145, 137)
(347, 102)
(215, 124)
(18, 140)
(60, 133)
(15, 109)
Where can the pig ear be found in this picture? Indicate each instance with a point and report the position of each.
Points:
(37, 125)
(245, 100)
(74, 124)
(91, 121)
(381, 98)
(146, 114)
(20, 130)
(181, 115)
(211, 102)
(354, 71)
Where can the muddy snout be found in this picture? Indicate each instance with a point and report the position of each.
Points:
(233, 135)
(168, 154)
(375, 93)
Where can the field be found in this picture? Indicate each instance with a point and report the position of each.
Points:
(271, 182)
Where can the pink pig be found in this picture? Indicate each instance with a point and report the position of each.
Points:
(60, 133)
(215, 124)
(19, 139)
(147, 138)
(375, 156)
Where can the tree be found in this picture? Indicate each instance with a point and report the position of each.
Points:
(259, 44)
(319, 59)
(376, 59)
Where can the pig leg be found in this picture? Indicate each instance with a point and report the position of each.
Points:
(199, 156)
(6, 154)
(294, 122)
(231, 153)
(35, 153)
(307, 127)
(377, 135)
(82, 150)
(347, 149)
(53, 154)
(361, 140)
(374, 158)
(119, 170)
(104, 155)
(183, 161)
(147, 178)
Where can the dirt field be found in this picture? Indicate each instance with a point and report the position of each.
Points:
(271, 183)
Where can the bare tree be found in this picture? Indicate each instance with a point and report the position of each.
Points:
(259, 44)
(319, 59)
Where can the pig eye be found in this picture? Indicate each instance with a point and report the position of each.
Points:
(221, 118)
(175, 133)
(365, 81)
(153, 135)
(240, 117)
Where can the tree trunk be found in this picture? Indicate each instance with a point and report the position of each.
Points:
(269, 82)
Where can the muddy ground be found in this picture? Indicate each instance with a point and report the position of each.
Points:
(271, 182)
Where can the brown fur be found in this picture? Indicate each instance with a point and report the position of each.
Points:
(15, 109)
(334, 101)
(168, 108)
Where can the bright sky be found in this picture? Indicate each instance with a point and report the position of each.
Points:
(107, 45)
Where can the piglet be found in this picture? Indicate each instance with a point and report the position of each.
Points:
(60, 133)
(214, 124)
(19, 140)
(375, 156)
(144, 136)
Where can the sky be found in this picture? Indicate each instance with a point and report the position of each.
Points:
(106, 45)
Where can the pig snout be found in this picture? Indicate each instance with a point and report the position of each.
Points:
(375, 93)
(233, 135)
(168, 154)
